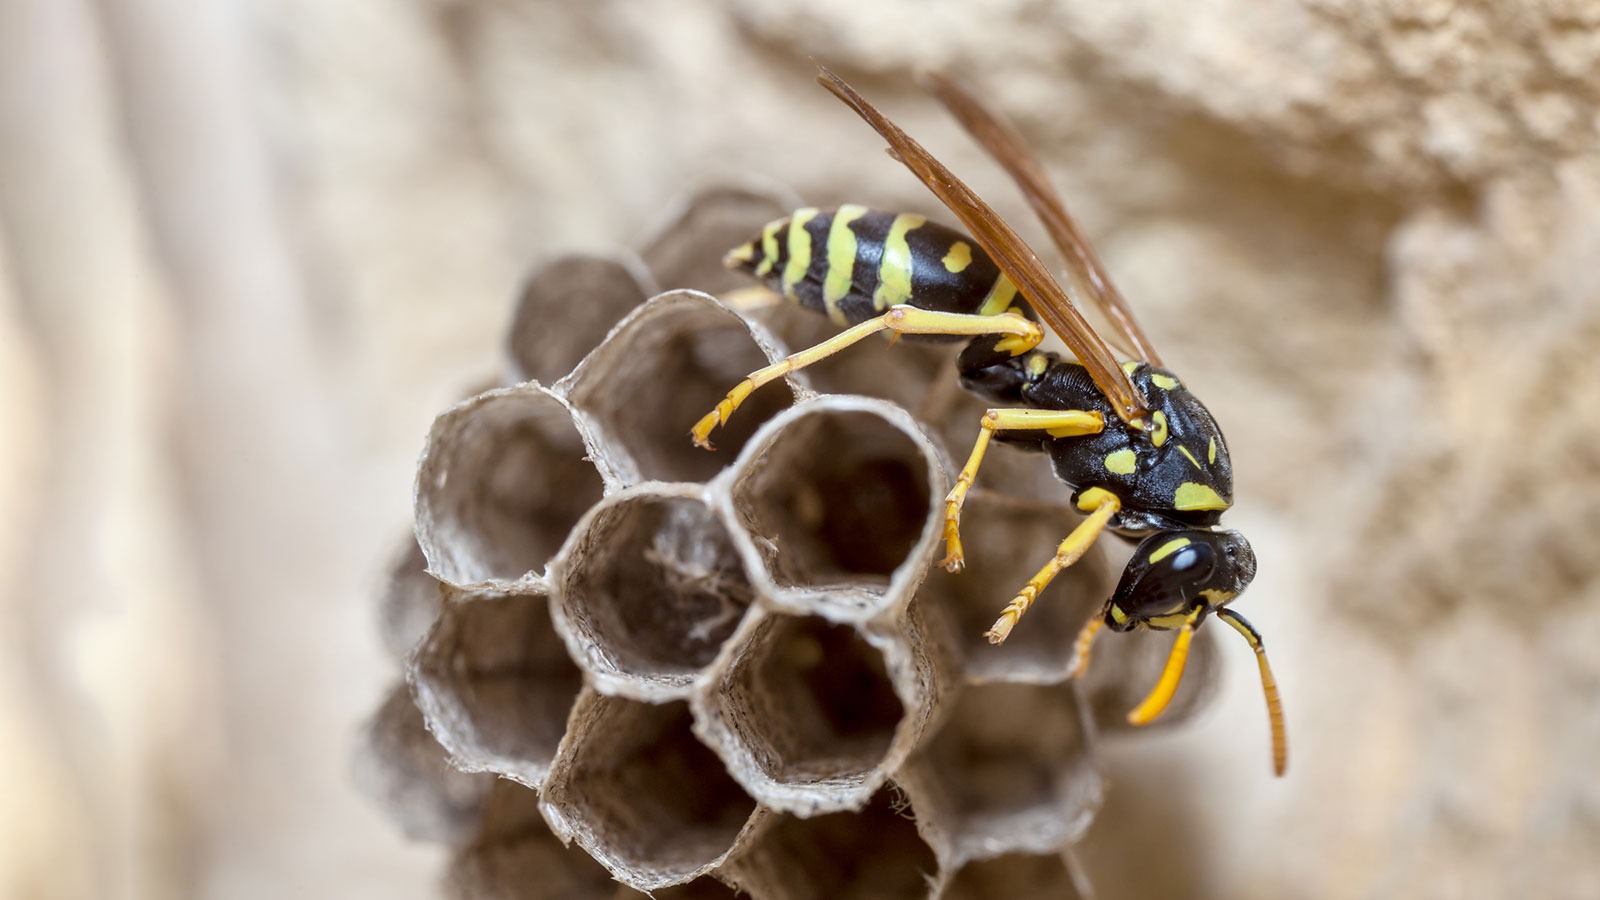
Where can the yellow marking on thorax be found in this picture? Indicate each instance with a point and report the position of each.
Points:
(1038, 363)
(1211, 451)
(894, 273)
(799, 250)
(999, 299)
(1118, 616)
(1158, 434)
(1216, 597)
(1131, 366)
(841, 260)
(959, 257)
(1191, 496)
(1167, 549)
(1190, 456)
(1165, 382)
(1122, 462)
(769, 247)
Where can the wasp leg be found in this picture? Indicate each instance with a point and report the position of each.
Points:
(1161, 694)
(1101, 505)
(1022, 335)
(1269, 686)
(1085, 641)
(1057, 423)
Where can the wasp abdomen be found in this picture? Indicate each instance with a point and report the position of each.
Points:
(853, 263)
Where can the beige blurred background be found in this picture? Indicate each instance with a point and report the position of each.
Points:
(248, 249)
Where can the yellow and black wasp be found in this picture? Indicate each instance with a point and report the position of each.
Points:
(1143, 455)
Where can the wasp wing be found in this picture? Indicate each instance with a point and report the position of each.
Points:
(1014, 257)
(1088, 274)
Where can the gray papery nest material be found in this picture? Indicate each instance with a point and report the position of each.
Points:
(698, 671)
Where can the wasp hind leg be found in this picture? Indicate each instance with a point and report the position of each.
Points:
(1101, 505)
(1056, 423)
(1021, 335)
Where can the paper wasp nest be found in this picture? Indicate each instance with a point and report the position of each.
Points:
(703, 674)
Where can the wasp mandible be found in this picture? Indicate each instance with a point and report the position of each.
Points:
(1142, 454)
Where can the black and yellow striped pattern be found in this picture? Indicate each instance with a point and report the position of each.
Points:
(853, 263)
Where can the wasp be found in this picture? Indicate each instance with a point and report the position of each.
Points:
(1143, 456)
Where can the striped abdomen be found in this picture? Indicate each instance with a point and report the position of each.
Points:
(854, 263)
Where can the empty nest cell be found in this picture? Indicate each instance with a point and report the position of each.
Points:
(806, 713)
(401, 766)
(567, 307)
(840, 496)
(638, 791)
(873, 854)
(503, 479)
(514, 856)
(1007, 540)
(1009, 771)
(495, 683)
(410, 601)
(649, 590)
(1019, 876)
(669, 363)
(908, 372)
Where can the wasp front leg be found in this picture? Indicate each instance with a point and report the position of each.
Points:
(1020, 336)
(1101, 505)
(1056, 423)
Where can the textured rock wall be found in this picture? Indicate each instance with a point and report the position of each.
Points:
(279, 237)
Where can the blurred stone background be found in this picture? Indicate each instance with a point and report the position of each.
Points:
(248, 250)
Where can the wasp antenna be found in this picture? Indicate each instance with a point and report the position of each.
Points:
(1269, 687)
(1155, 704)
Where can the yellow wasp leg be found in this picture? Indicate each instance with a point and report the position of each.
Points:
(1104, 505)
(1059, 423)
(1022, 335)
(1269, 686)
(1161, 694)
(1080, 647)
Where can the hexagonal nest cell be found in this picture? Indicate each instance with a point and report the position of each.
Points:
(1008, 772)
(811, 705)
(1019, 876)
(844, 496)
(495, 682)
(649, 590)
(665, 366)
(514, 856)
(567, 307)
(504, 477)
(634, 787)
(874, 854)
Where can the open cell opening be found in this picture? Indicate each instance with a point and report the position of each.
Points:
(403, 767)
(504, 479)
(906, 372)
(410, 601)
(566, 308)
(843, 497)
(655, 586)
(669, 364)
(515, 857)
(873, 854)
(1018, 876)
(643, 795)
(1011, 771)
(812, 701)
(496, 683)
(1006, 541)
